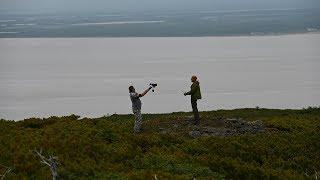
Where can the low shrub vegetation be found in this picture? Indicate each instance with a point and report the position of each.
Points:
(107, 148)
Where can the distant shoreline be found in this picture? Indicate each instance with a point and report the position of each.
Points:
(254, 22)
(199, 36)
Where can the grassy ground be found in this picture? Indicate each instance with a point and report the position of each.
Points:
(106, 148)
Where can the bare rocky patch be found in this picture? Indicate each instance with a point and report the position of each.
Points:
(220, 127)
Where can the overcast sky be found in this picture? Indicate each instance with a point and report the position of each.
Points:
(58, 6)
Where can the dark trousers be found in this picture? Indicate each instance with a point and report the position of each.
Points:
(195, 111)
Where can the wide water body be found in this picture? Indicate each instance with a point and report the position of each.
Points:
(40, 77)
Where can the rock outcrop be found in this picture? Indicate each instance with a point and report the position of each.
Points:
(228, 127)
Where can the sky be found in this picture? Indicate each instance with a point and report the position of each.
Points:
(78, 6)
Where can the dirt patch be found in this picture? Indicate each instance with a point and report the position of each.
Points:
(222, 127)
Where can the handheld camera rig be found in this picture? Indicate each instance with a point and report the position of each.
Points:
(153, 85)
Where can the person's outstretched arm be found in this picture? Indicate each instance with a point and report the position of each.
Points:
(145, 92)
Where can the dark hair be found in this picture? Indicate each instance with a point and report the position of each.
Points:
(131, 89)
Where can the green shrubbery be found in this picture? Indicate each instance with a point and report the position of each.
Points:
(106, 148)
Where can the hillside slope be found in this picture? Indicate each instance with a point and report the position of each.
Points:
(107, 148)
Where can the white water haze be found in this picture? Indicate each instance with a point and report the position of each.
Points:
(41, 77)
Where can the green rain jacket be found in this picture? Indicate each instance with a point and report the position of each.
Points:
(195, 91)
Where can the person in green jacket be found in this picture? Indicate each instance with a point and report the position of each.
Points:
(195, 95)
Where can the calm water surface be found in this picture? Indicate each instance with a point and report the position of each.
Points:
(40, 77)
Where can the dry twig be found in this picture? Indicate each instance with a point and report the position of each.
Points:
(7, 171)
(51, 161)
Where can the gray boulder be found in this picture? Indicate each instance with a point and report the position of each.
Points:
(195, 133)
